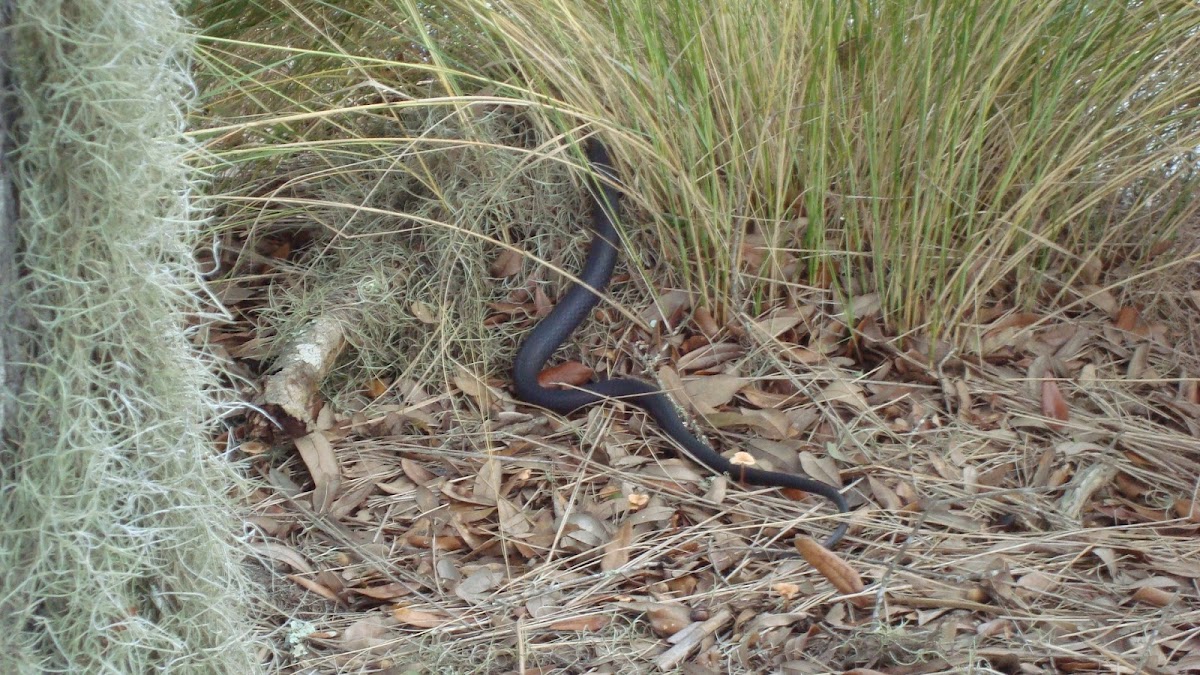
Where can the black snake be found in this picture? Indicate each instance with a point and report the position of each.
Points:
(574, 307)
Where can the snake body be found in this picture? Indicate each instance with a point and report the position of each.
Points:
(575, 306)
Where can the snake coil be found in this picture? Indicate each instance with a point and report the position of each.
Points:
(574, 307)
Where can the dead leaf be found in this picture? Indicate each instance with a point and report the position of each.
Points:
(718, 490)
(616, 551)
(369, 632)
(420, 618)
(1054, 405)
(801, 419)
(459, 493)
(994, 628)
(592, 623)
(773, 424)
(689, 639)
(1189, 389)
(1100, 298)
(770, 620)
(513, 521)
(571, 373)
(666, 309)
(863, 305)
(583, 531)
(1013, 320)
(487, 482)
(543, 605)
(375, 388)
(674, 470)
(684, 585)
(1079, 494)
(284, 554)
(1109, 557)
(837, 571)
(777, 455)
(753, 251)
(385, 592)
(954, 520)
(253, 448)
(997, 475)
(842, 391)
(350, 501)
(1130, 486)
(1188, 508)
(712, 392)
(671, 382)
(541, 302)
(1076, 449)
(443, 542)
(1127, 318)
(777, 324)
(709, 357)
(652, 514)
(1039, 369)
(802, 355)
(1139, 364)
(1153, 596)
(726, 549)
(314, 586)
(1076, 665)
(1184, 567)
(318, 455)
(425, 313)
(474, 386)
(823, 469)
(692, 343)
(507, 264)
(415, 472)
(1036, 583)
(234, 294)
(477, 587)
(884, 495)
(733, 419)
(668, 618)
(705, 322)
(1091, 269)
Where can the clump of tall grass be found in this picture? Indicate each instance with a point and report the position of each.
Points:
(948, 156)
(944, 155)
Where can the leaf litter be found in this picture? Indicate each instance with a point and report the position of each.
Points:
(1031, 504)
